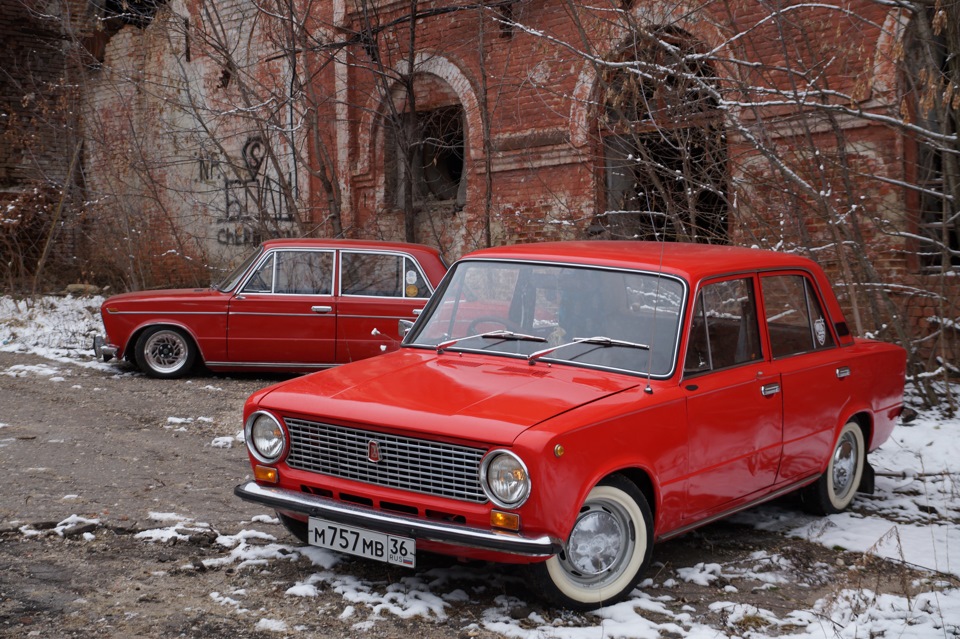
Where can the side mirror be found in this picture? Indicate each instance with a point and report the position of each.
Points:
(404, 326)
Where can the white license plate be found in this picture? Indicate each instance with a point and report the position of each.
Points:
(363, 543)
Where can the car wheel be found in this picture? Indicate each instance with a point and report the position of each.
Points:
(607, 550)
(295, 527)
(835, 489)
(165, 352)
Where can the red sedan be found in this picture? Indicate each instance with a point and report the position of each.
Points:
(565, 406)
(292, 305)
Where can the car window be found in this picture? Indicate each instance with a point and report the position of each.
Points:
(304, 272)
(381, 275)
(723, 331)
(293, 273)
(261, 280)
(606, 318)
(794, 316)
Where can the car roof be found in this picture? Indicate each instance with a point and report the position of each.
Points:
(688, 260)
(341, 243)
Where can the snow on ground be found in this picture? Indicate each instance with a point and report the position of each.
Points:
(912, 518)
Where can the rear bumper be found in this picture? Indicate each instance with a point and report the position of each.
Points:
(434, 531)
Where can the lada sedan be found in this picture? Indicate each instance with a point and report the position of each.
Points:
(566, 406)
(292, 305)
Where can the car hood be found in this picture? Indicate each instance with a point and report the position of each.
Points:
(162, 298)
(464, 396)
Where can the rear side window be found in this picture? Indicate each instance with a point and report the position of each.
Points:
(724, 331)
(794, 316)
(381, 275)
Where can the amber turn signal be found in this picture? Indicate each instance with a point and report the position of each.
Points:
(266, 474)
(506, 521)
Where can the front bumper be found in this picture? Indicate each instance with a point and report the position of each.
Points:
(102, 350)
(434, 531)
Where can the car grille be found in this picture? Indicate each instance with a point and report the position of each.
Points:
(417, 465)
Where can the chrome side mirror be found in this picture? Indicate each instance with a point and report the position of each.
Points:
(404, 326)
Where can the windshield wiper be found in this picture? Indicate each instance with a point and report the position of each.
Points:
(500, 334)
(598, 340)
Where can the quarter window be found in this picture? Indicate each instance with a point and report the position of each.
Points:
(795, 318)
(724, 330)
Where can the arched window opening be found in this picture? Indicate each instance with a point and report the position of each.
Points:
(664, 148)
(425, 151)
(931, 79)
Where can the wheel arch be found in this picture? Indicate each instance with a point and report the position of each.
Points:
(129, 349)
(864, 420)
(640, 478)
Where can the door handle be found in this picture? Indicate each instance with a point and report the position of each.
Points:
(769, 389)
(843, 371)
(417, 311)
(321, 309)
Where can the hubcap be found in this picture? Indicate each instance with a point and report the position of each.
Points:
(844, 464)
(600, 545)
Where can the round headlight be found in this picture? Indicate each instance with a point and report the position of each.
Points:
(505, 479)
(265, 437)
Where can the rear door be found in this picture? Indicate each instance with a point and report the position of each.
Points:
(285, 313)
(813, 371)
(377, 289)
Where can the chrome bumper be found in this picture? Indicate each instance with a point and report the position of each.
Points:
(440, 532)
(104, 351)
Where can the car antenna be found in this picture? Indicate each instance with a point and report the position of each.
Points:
(656, 304)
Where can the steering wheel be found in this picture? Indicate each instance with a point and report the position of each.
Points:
(472, 329)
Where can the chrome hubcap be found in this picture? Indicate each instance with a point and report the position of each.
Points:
(599, 545)
(845, 464)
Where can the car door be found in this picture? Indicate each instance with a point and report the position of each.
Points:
(285, 312)
(377, 289)
(812, 369)
(733, 399)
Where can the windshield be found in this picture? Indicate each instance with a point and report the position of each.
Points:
(230, 281)
(623, 320)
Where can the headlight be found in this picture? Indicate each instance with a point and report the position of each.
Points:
(504, 478)
(264, 437)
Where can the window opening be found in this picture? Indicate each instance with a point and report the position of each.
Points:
(663, 143)
(437, 162)
(927, 80)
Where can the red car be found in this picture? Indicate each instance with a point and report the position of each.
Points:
(292, 305)
(565, 406)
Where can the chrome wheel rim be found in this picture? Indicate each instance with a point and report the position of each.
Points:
(165, 352)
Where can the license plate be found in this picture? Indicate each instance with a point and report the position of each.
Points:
(362, 543)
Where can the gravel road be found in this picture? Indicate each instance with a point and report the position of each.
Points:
(117, 519)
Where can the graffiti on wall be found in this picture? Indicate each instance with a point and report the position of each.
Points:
(254, 206)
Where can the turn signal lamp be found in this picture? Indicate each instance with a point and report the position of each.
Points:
(266, 474)
(505, 521)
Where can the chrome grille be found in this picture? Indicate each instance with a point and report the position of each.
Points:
(417, 465)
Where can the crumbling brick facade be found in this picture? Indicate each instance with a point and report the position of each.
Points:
(210, 125)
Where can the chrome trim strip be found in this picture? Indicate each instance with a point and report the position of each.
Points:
(440, 532)
(270, 364)
(166, 313)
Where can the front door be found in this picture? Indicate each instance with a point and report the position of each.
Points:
(734, 403)
(285, 313)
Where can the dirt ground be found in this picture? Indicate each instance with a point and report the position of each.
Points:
(91, 459)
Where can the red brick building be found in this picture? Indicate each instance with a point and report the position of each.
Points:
(824, 129)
